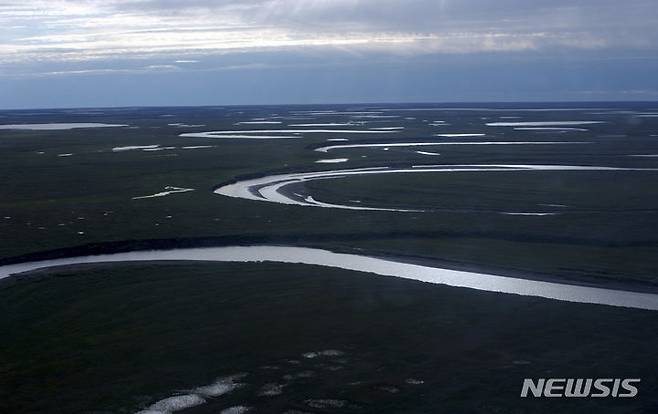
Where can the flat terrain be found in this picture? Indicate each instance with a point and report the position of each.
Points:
(605, 227)
(118, 338)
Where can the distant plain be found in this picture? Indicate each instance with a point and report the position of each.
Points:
(73, 336)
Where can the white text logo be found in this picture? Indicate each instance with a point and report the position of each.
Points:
(580, 387)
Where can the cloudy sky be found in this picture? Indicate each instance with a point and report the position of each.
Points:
(63, 53)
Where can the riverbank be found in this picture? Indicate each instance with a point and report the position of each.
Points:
(362, 263)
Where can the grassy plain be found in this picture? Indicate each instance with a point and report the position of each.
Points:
(109, 339)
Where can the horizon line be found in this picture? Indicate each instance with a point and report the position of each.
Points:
(488, 102)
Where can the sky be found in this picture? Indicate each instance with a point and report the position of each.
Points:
(98, 53)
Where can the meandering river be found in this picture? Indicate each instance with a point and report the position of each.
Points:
(377, 266)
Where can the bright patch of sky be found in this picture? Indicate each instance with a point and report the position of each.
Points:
(289, 50)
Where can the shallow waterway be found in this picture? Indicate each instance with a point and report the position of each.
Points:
(378, 266)
(272, 188)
